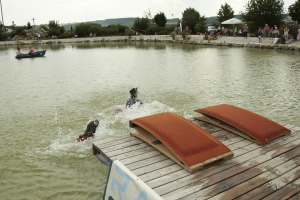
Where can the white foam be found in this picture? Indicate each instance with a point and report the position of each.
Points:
(110, 124)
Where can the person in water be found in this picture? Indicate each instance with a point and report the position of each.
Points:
(133, 98)
(90, 130)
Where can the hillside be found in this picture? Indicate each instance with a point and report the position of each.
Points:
(130, 20)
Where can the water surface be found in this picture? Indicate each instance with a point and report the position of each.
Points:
(47, 102)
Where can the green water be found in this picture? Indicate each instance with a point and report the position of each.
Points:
(47, 102)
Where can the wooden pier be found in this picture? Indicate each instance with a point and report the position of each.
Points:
(270, 171)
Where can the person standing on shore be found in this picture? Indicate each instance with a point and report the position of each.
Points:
(219, 31)
(235, 31)
(298, 36)
(271, 33)
(245, 31)
(286, 33)
(266, 29)
(259, 35)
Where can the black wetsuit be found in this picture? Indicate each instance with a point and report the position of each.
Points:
(90, 130)
(132, 100)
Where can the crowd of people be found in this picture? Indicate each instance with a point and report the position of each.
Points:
(273, 33)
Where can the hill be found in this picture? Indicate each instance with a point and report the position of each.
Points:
(130, 20)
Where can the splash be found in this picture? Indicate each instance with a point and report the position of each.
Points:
(111, 124)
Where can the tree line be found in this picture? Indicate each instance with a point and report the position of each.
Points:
(257, 13)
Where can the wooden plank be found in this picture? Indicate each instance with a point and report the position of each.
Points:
(161, 172)
(152, 167)
(133, 159)
(179, 188)
(258, 185)
(134, 153)
(146, 162)
(296, 197)
(122, 145)
(118, 139)
(162, 179)
(143, 147)
(189, 178)
(208, 187)
(285, 192)
(171, 181)
(100, 146)
(245, 148)
(273, 185)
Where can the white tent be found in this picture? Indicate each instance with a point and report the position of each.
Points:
(233, 21)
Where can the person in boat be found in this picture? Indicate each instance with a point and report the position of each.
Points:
(19, 52)
(133, 98)
(90, 130)
(31, 51)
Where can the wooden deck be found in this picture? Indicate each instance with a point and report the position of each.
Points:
(270, 171)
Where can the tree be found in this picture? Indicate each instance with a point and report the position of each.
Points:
(54, 28)
(44, 27)
(148, 15)
(201, 25)
(141, 23)
(29, 25)
(1, 27)
(190, 17)
(53, 24)
(294, 11)
(260, 12)
(82, 29)
(225, 12)
(160, 19)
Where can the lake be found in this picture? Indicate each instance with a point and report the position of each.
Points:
(48, 101)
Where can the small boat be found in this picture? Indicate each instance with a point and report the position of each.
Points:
(36, 54)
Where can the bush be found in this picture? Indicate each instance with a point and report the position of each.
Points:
(129, 32)
(293, 30)
(66, 34)
(53, 31)
(44, 27)
(4, 36)
(160, 30)
(82, 29)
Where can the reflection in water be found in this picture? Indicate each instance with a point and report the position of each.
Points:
(55, 47)
(47, 102)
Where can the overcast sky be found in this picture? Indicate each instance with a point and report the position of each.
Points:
(68, 11)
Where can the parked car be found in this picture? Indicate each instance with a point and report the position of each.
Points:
(211, 30)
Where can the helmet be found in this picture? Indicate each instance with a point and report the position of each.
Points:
(96, 122)
(133, 91)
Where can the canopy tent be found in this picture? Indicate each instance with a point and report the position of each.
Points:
(233, 21)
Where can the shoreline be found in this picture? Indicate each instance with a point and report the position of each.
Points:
(230, 41)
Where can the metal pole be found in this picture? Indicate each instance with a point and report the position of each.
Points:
(2, 16)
